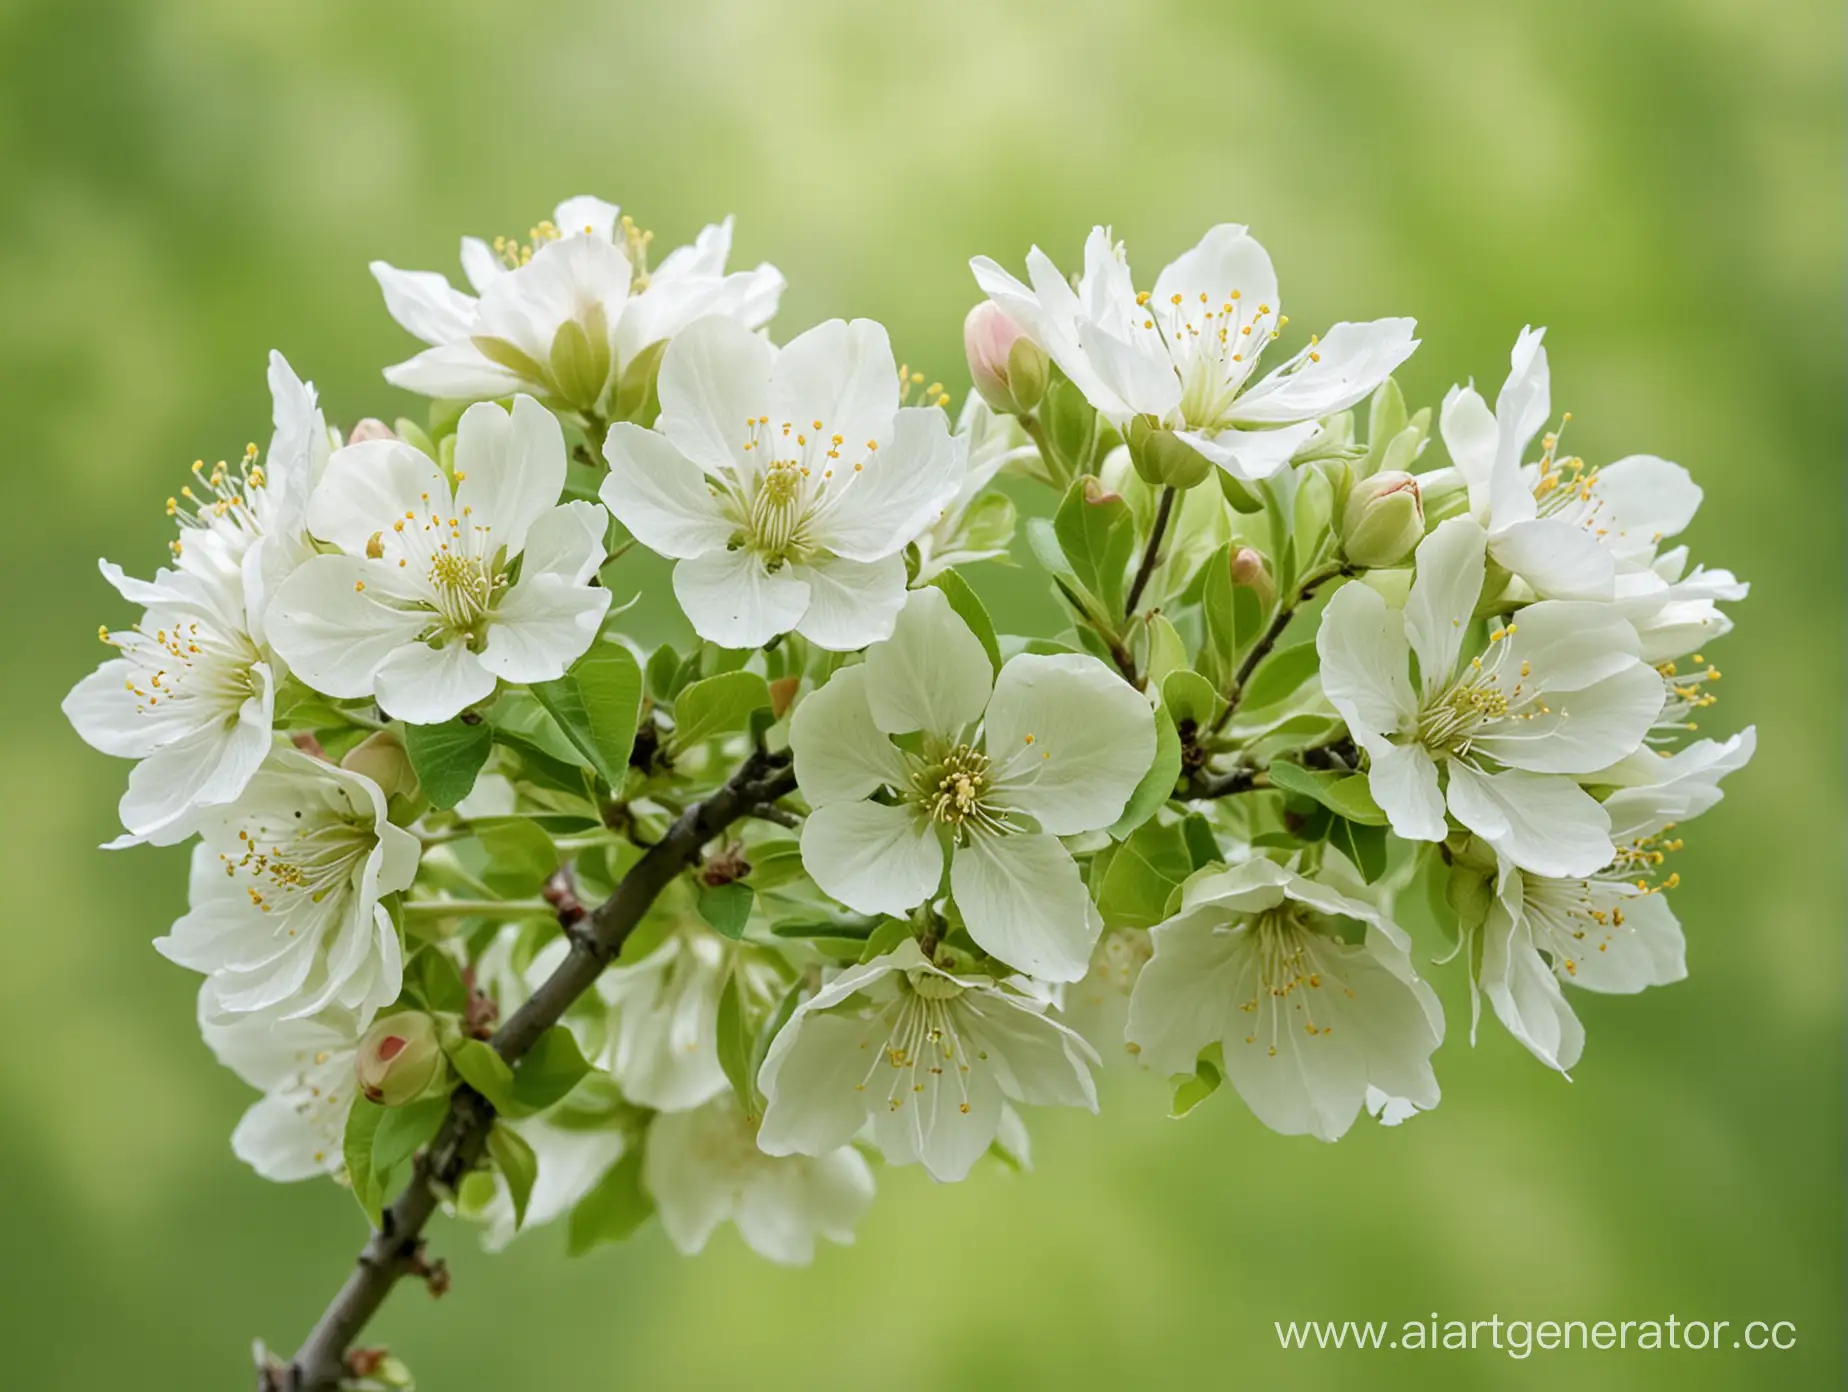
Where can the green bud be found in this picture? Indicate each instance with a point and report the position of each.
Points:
(381, 757)
(1162, 458)
(401, 1059)
(1009, 369)
(1251, 569)
(1383, 520)
(1244, 497)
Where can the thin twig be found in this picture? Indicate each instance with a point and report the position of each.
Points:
(1151, 555)
(1268, 640)
(396, 1249)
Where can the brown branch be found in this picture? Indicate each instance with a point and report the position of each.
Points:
(1151, 555)
(396, 1249)
(1268, 639)
(1204, 786)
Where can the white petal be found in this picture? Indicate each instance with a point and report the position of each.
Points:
(586, 215)
(851, 603)
(933, 674)
(899, 491)
(841, 374)
(812, 1082)
(1403, 781)
(874, 858)
(108, 716)
(733, 601)
(1226, 259)
(422, 685)
(1139, 374)
(1569, 645)
(1350, 361)
(840, 753)
(510, 468)
(1187, 993)
(1525, 994)
(480, 264)
(280, 1143)
(425, 303)
(561, 282)
(541, 627)
(1252, 455)
(1069, 740)
(1642, 500)
(1525, 400)
(456, 371)
(1036, 1059)
(1541, 822)
(566, 543)
(660, 495)
(1473, 439)
(1365, 662)
(1560, 561)
(1646, 949)
(947, 1127)
(334, 635)
(715, 380)
(371, 485)
(1024, 901)
(1581, 731)
(667, 308)
(1443, 597)
(209, 768)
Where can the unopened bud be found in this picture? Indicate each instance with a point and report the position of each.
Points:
(1008, 368)
(1252, 570)
(370, 428)
(381, 758)
(1384, 519)
(1097, 493)
(400, 1059)
(1162, 458)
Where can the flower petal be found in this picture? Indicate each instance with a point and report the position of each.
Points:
(1442, 601)
(715, 381)
(1365, 662)
(1069, 741)
(899, 491)
(424, 303)
(660, 495)
(1580, 731)
(424, 685)
(1560, 561)
(510, 469)
(932, 674)
(334, 634)
(1345, 367)
(1251, 455)
(813, 1083)
(1541, 822)
(840, 753)
(1403, 781)
(841, 374)
(371, 485)
(455, 371)
(851, 603)
(731, 600)
(1024, 901)
(874, 858)
(1185, 996)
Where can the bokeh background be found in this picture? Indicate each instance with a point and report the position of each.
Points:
(189, 182)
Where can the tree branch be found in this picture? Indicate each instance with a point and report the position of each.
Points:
(395, 1250)
(1268, 639)
(1204, 786)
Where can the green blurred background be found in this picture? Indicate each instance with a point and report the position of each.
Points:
(188, 183)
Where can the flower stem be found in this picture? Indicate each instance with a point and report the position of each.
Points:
(1151, 555)
(478, 908)
(1268, 639)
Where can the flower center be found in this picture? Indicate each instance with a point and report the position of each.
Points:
(462, 587)
(800, 476)
(1575, 918)
(188, 661)
(305, 863)
(923, 1044)
(1214, 342)
(953, 790)
(1480, 700)
(226, 496)
(1290, 976)
(1686, 692)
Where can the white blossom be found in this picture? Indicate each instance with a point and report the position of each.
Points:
(286, 911)
(421, 609)
(1310, 994)
(304, 1068)
(1500, 737)
(704, 1166)
(1185, 352)
(1052, 747)
(786, 484)
(929, 1055)
(564, 314)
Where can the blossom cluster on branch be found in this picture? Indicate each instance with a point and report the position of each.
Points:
(385, 688)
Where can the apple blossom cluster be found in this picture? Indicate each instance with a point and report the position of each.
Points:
(1320, 716)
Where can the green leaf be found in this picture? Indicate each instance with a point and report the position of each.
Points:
(1315, 506)
(402, 1131)
(521, 857)
(356, 1148)
(1189, 696)
(885, 938)
(735, 1041)
(613, 1210)
(487, 1072)
(1070, 423)
(1167, 651)
(1157, 785)
(1191, 1089)
(1144, 872)
(597, 704)
(970, 609)
(1279, 676)
(1219, 616)
(431, 977)
(447, 758)
(775, 863)
(1202, 845)
(727, 907)
(551, 1068)
(539, 765)
(1365, 846)
(1097, 535)
(1346, 794)
(515, 1160)
(663, 668)
(717, 706)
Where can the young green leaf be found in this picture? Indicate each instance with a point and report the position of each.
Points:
(970, 609)
(613, 1210)
(735, 1041)
(487, 1072)
(447, 758)
(402, 1131)
(521, 857)
(597, 704)
(1097, 535)
(1190, 1090)
(717, 706)
(1143, 873)
(727, 907)
(356, 1148)
(551, 1068)
(515, 1160)
(1157, 785)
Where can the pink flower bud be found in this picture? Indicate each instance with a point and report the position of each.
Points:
(1252, 570)
(400, 1059)
(369, 429)
(1008, 368)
